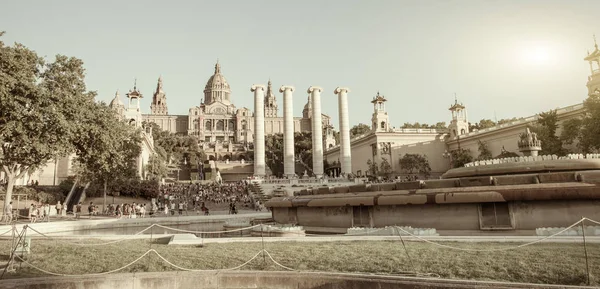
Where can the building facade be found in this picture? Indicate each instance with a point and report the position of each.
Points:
(223, 130)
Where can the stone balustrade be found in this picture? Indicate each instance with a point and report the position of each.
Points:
(531, 159)
(391, 231)
(521, 121)
(575, 231)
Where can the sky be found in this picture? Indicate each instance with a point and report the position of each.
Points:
(502, 59)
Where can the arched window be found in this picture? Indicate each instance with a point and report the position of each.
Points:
(231, 125)
(221, 125)
(383, 125)
(243, 124)
(208, 125)
(462, 131)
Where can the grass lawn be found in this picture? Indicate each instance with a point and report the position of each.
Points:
(540, 263)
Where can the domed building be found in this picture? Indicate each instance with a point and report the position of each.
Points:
(224, 131)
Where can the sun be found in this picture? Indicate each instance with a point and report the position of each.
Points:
(537, 55)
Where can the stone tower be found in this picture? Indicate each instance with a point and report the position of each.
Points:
(593, 58)
(133, 114)
(380, 120)
(270, 102)
(117, 105)
(159, 100)
(459, 124)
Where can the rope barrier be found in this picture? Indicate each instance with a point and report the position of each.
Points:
(275, 261)
(91, 244)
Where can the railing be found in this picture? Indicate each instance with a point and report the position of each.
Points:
(530, 119)
(531, 159)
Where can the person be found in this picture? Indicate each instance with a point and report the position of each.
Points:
(33, 213)
(46, 209)
(58, 208)
(78, 211)
(180, 207)
(8, 213)
(91, 209)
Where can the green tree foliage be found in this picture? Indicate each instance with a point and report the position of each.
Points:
(546, 127)
(108, 148)
(585, 130)
(439, 125)
(303, 149)
(359, 129)
(482, 124)
(415, 163)
(274, 151)
(373, 168)
(40, 109)
(461, 157)
(487, 123)
(385, 169)
(484, 151)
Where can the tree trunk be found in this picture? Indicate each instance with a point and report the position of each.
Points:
(104, 205)
(10, 178)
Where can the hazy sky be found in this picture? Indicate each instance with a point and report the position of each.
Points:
(503, 58)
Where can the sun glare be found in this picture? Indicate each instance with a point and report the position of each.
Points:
(538, 55)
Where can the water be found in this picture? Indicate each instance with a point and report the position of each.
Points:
(132, 230)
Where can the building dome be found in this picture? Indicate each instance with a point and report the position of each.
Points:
(116, 102)
(217, 88)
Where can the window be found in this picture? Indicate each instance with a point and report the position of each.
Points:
(208, 125)
(361, 216)
(495, 216)
(462, 131)
(383, 125)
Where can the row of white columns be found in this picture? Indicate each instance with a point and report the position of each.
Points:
(288, 131)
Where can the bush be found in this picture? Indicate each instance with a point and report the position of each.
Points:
(49, 195)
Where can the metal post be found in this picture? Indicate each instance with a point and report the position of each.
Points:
(587, 265)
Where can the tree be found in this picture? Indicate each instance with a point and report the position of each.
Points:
(274, 153)
(373, 168)
(482, 124)
(359, 129)
(385, 168)
(460, 157)
(484, 151)
(108, 148)
(40, 109)
(546, 127)
(415, 163)
(589, 134)
(439, 125)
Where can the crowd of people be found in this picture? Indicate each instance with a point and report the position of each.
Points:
(173, 199)
(184, 199)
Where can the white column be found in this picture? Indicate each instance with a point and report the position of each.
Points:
(345, 150)
(259, 130)
(288, 131)
(317, 132)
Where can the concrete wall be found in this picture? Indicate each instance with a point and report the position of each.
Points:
(448, 217)
(253, 279)
(441, 217)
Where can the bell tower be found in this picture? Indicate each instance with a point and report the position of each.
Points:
(380, 120)
(159, 100)
(593, 58)
(270, 102)
(459, 124)
(133, 115)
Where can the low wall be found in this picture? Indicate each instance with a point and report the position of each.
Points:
(251, 279)
(527, 216)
